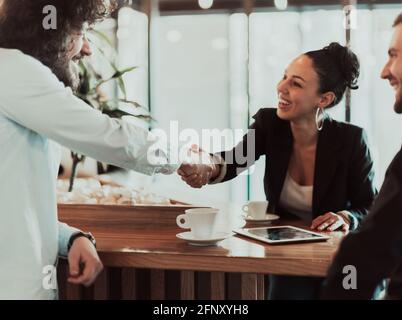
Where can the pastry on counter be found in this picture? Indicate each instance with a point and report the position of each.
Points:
(91, 191)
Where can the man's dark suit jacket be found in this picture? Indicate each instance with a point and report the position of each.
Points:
(376, 249)
(343, 178)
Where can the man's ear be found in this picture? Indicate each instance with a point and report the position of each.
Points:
(326, 99)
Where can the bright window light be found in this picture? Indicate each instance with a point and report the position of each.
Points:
(174, 36)
(281, 4)
(205, 4)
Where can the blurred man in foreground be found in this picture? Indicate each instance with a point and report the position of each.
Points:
(375, 251)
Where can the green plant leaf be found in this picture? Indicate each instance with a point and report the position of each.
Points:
(120, 73)
(132, 103)
(87, 66)
(91, 94)
(118, 76)
(117, 113)
(102, 36)
(104, 55)
(122, 87)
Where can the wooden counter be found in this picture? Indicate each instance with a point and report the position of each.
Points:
(143, 259)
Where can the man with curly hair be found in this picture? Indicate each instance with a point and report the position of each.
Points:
(38, 111)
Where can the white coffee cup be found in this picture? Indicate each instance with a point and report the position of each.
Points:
(256, 209)
(201, 221)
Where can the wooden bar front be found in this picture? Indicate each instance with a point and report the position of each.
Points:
(143, 259)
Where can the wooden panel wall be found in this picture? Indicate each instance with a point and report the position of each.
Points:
(145, 284)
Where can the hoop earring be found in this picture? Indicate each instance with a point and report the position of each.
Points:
(320, 118)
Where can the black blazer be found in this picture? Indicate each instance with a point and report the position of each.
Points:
(343, 178)
(376, 249)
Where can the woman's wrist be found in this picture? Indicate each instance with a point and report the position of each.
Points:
(216, 170)
(345, 215)
(216, 162)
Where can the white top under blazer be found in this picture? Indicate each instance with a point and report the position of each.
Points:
(297, 199)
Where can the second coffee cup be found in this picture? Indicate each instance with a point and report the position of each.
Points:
(256, 209)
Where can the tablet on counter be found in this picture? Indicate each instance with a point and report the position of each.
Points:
(281, 234)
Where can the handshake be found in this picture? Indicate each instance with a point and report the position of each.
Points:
(200, 168)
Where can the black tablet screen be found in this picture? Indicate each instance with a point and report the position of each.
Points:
(282, 234)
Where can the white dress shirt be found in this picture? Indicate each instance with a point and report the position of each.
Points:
(37, 112)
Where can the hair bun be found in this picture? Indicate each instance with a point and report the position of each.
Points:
(348, 63)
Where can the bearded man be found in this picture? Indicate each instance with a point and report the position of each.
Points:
(39, 112)
(375, 251)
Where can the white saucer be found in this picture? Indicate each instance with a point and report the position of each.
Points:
(268, 217)
(219, 236)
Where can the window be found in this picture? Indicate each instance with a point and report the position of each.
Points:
(216, 70)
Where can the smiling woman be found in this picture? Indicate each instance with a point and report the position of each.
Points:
(316, 171)
(326, 75)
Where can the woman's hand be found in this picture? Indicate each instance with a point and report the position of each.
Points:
(196, 175)
(331, 222)
(200, 170)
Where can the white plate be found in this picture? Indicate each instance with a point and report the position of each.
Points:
(268, 217)
(219, 236)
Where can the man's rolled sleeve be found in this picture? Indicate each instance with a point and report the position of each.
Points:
(65, 233)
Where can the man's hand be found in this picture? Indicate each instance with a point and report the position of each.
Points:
(195, 175)
(200, 170)
(84, 262)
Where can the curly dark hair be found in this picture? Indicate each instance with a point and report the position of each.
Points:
(21, 25)
(338, 68)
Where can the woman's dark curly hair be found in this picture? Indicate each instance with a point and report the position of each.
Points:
(21, 25)
(338, 68)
